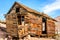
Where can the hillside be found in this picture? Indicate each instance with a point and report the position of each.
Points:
(58, 24)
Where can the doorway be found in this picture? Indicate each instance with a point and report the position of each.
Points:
(44, 27)
(19, 20)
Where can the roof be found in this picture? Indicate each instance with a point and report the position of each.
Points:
(30, 10)
(25, 7)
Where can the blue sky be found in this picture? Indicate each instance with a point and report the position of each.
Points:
(49, 7)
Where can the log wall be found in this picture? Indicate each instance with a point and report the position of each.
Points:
(11, 23)
(50, 27)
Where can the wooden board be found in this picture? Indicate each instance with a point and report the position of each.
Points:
(50, 27)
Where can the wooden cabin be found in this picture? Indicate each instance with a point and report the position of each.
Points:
(22, 20)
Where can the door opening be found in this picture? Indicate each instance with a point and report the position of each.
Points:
(19, 20)
(44, 27)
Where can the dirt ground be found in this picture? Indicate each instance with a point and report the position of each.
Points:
(32, 38)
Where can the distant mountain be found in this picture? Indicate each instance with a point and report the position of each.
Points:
(57, 24)
(2, 25)
(58, 18)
